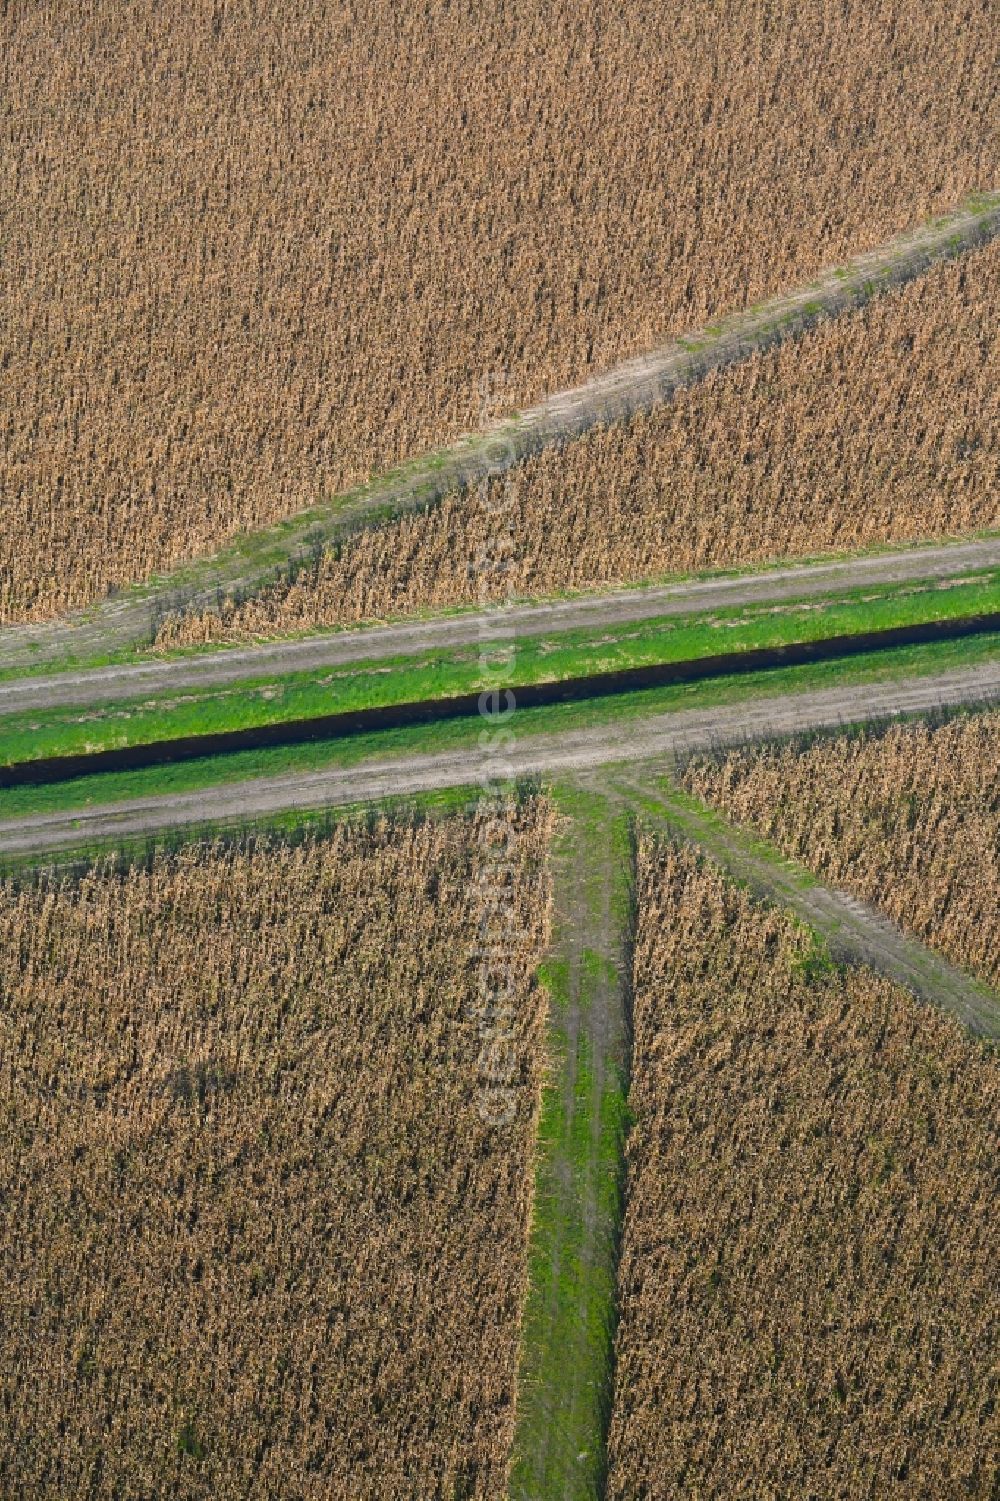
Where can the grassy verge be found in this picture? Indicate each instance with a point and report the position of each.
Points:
(564, 1390)
(456, 734)
(35, 734)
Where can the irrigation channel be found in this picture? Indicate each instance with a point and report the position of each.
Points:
(48, 770)
(656, 738)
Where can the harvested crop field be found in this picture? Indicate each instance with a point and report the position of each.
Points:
(808, 1273)
(905, 817)
(257, 1235)
(253, 253)
(880, 426)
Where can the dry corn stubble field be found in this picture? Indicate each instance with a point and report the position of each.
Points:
(882, 425)
(906, 817)
(808, 1288)
(255, 1236)
(254, 253)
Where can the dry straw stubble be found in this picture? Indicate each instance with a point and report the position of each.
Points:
(808, 1271)
(255, 1236)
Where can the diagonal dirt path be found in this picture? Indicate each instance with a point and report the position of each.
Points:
(636, 385)
(854, 932)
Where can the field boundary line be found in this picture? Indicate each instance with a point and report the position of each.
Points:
(250, 562)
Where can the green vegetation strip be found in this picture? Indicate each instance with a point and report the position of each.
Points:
(37, 734)
(454, 734)
(565, 1382)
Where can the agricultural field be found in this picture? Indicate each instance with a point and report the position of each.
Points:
(253, 254)
(905, 817)
(879, 426)
(368, 1133)
(258, 1236)
(808, 1301)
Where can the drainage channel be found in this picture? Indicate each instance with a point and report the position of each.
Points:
(46, 770)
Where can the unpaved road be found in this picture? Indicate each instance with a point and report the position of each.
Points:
(409, 638)
(659, 737)
(854, 932)
(634, 386)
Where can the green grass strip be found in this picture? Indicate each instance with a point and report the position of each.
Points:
(565, 1379)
